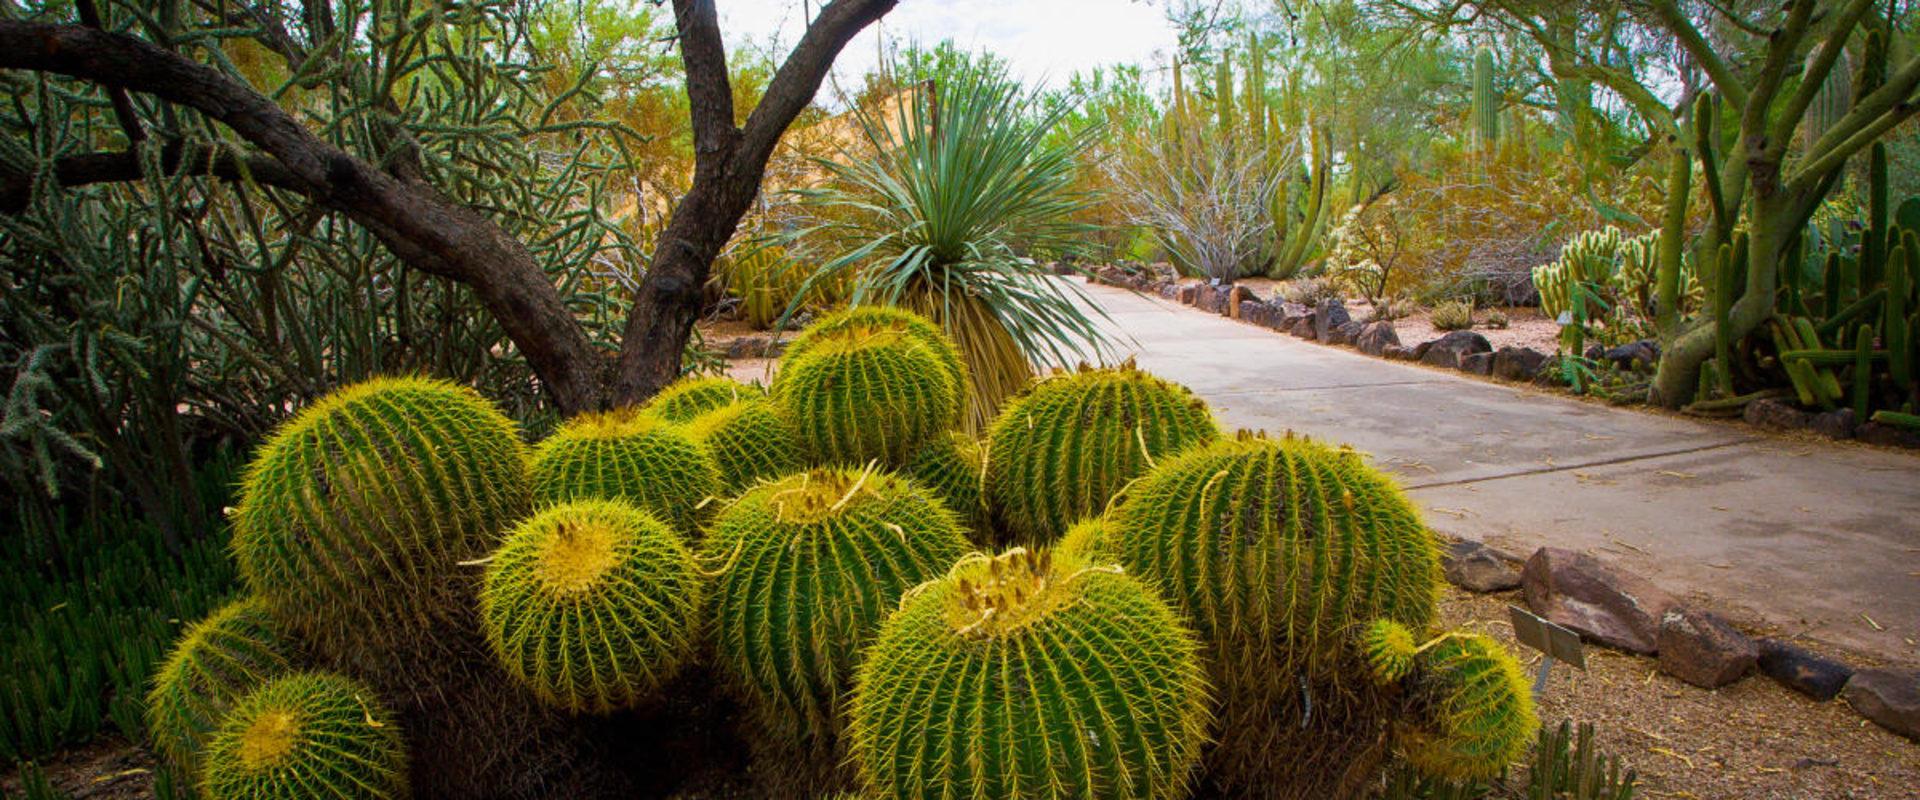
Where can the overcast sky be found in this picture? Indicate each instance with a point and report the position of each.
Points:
(1047, 39)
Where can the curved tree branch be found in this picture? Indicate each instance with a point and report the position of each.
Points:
(122, 166)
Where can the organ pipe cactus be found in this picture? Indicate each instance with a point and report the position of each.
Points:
(1027, 676)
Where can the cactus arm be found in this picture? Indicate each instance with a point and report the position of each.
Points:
(1672, 239)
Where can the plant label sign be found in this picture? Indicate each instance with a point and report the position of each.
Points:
(1553, 641)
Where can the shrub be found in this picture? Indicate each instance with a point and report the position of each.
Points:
(1310, 291)
(1453, 316)
(1498, 320)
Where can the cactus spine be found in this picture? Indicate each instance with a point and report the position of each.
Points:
(353, 516)
(1024, 676)
(949, 467)
(307, 735)
(748, 441)
(218, 661)
(637, 457)
(814, 562)
(692, 396)
(1486, 104)
(1389, 650)
(593, 604)
(1059, 452)
(868, 386)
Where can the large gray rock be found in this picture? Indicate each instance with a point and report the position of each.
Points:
(1518, 363)
(1344, 333)
(1702, 649)
(1447, 350)
(1303, 328)
(1331, 314)
(1768, 412)
(1264, 315)
(1803, 670)
(1576, 590)
(1476, 567)
(1836, 424)
(1888, 697)
(1394, 352)
(1375, 337)
(1477, 363)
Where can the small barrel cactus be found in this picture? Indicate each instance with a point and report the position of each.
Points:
(1027, 676)
(1388, 649)
(641, 458)
(1059, 452)
(218, 661)
(593, 604)
(355, 514)
(748, 441)
(1470, 710)
(810, 566)
(691, 396)
(307, 735)
(949, 466)
(855, 393)
(855, 320)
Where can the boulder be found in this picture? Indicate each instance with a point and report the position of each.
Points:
(1331, 314)
(1447, 350)
(1803, 670)
(1397, 353)
(1264, 315)
(1518, 363)
(1375, 337)
(1643, 354)
(1885, 435)
(1293, 312)
(1170, 290)
(1344, 333)
(1477, 363)
(1702, 649)
(1211, 299)
(1188, 293)
(1238, 296)
(1476, 567)
(1835, 424)
(1577, 591)
(755, 347)
(1769, 412)
(1890, 698)
(1303, 328)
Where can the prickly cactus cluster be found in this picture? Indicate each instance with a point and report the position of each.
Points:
(811, 587)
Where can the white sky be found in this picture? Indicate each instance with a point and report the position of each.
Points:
(1042, 39)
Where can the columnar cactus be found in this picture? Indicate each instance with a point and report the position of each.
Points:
(748, 442)
(307, 735)
(593, 604)
(1486, 102)
(637, 457)
(218, 661)
(949, 466)
(354, 515)
(1470, 710)
(1059, 452)
(691, 396)
(870, 391)
(810, 565)
(1024, 676)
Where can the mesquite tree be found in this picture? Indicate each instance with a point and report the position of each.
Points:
(163, 70)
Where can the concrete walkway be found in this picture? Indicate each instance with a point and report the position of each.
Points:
(1802, 538)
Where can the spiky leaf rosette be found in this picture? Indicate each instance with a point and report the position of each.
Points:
(1029, 677)
(949, 466)
(1470, 710)
(858, 393)
(1388, 649)
(748, 441)
(857, 320)
(218, 661)
(593, 604)
(691, 396)
(355, 513)
(1059, 452)
(815, 561)
(640, 458)
(307, 735)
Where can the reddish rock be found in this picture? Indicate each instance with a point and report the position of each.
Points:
(1331, 314)
(1768, 412)
(1447, 350)
(1702, 649)
(1395, 352)
(1303, 328)
(1375, 337)
(1803, 670)
(1612, 607)
(1477, 363)
(1476, 567)
(1888, 697)
(1344, 333)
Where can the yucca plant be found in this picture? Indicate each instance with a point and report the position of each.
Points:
(946, 212)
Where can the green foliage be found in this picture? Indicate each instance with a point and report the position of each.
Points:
(862, 392)
(1497, 320)
(356, 512)
(1054, 679)
(1453, 316)
(950, 466)
(633, 456)
(88, 608)
(691, 396)
(949, 213)
(1470, 710)
(1059, 452)
(307, 735)
(219, 660)
(594, 604)
(1606, 282)
(1256, 539)
(748, 441)
(811, 564)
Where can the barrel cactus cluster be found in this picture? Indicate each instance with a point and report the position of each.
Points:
(1106, 596)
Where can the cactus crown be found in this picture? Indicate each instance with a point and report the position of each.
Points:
(691, 396)
(639, 457)
(307, 735)
(857, 391)
(996, 596)
(1471, 710)
(856, 322)
(1388, 649)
